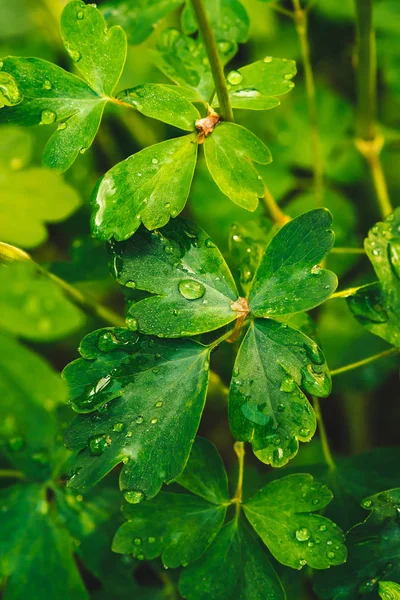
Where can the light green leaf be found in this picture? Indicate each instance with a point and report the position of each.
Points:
(184, 60)
(138, 19)
(27, 204)
(266, 404)
(149, 187)
(36, 552)
(15, 148)
(146, 398)
(32, 306)
(98, 53)
(228, 19)
(256, 86)
(388, 590)
(373, 552)
(235, 566)
(228, 150)
(30, 392)
(51, 95)
(377, 305)
(205, 474)
(283, 515)
(193, 289)
(163, 103)
(289, 279)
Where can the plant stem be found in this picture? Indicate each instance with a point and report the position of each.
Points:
(301, 19)
(364, 361)
(344, 250)
(11, 474)
(240, 452)
(9, 253)
(280, 9)
(368, 142)
(273, 208)
(214, 59)
(322, 434)
(345, 293)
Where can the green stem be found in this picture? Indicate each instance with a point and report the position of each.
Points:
(240, 452)
(368, 142)
(280, 9)
(221, 338)
(364, 361)
(322, 434)
(214, 59)
(301, 20)
(273, 208)
(344, 250)
(11, 474)
(345, 293)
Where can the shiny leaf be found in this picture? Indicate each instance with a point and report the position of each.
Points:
(283, 515)
(146, 398)
(192, 288)
(266, 404)
(149, 187)
(228, 150)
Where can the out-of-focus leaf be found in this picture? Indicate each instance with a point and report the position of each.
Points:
(388, 590)
(228, 19)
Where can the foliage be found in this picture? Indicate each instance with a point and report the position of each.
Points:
(127, 472)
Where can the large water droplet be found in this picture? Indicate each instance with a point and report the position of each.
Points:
(314, 353)
(190, 289)
(302, 534)
(9, 91)
(247, 93)
(98, 444)
(234, 77)
(315, 383)
(288, 384)
(73, 53)
(47, 117)
(133, 496)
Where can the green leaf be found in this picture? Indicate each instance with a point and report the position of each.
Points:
(205, 474)
(163, 103)
(266, 404)
(283, 515)
(184, 60)
(388, 590)
(15, 148)
(149, 187)
(36, 551)
(140, 18)
(193, 289)
(373, 552)
(30, 392)
(256, 86)
(32, 305)
(49, 94)
(228, 150)
(289, 279)
(235, 566)
(98, 53)
(228, 19)
(146, 398)
(377, 305)
(10, 95)
(27, 204)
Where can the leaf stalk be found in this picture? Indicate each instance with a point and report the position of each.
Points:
(364, 361)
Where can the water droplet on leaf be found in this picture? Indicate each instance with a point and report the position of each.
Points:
(133, 496)
(98, 444)
(302, 534)
(190, 289)
(234, 77)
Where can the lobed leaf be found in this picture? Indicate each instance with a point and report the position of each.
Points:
(266, 404)
(282, 513)
(228, 151)
(149, 187)
(289, 279)
(146, 397)
(162, 102)
(191, 285)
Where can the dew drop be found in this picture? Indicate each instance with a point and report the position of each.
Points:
(9, 91)
(151, 540)
(191, 290)
(330, 554)
(98, 444)
(153, 421)
(366, 503)
(47, 85)
(47, 117)
(304, 432)
(139, 420)
(133, 496)
(154, 161)
(234, 77)
(288, 384)
(302, 562)
(137, 541)
(302, 534)
(80, 15)
(209, 243)
(62, 126)
(316, 270)
(132, 323)
(247, 93)
(322, 528)
(268, 59)
(73, 53)
(159, 404)
(118, 427)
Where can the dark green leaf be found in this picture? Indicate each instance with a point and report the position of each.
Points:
(289, 279)
(36, 551)
(228, 19)
(146, 398)
(184, 60)
(283, 515)
(377, 306)
(138, 19)
(373, 553)
(193, 289)
(149, 187)
(227, 151)
(32, 305)
(266, 404)
(235, 566)
(163, 103)
(256, 86)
